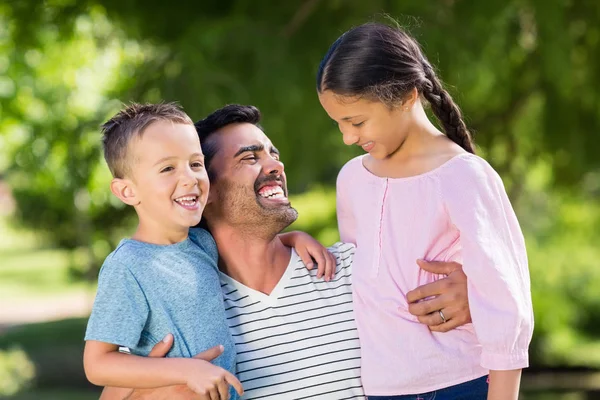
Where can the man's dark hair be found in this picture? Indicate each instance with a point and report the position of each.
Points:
(218, 119)
(131, 122)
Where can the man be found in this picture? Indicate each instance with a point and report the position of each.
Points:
(295, 334)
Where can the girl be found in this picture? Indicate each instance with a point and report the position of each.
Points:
(419, 193)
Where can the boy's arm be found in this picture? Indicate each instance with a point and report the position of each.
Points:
(179, 392)
(105, 366)
(309, 248)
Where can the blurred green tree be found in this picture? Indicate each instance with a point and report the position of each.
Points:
(524, 72)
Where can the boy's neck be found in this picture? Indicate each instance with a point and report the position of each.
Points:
(161, 235)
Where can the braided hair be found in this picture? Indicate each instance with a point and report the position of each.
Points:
(383, 63)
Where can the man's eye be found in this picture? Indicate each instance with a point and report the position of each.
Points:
(358, 124)
(275, 156)
(166, 169)
(249, 158)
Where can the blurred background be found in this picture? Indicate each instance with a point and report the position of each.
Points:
(525, 72)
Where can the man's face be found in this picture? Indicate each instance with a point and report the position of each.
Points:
(249, 186)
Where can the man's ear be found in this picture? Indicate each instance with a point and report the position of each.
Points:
(211, 195)
(124, 189)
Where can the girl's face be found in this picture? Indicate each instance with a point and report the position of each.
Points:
(372, 125)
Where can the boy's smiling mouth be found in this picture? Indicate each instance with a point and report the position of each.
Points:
(189, 202)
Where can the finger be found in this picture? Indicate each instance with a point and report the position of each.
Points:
(321, 264)
(329, 266)
(432, 319)
(306, 258)
(210, 354)
(223, 390)
(431, 289)
(214, 394)
(439, 267)
(333, 261)
(426, 307)
(233, 381)
(446, 326)
(162, 348)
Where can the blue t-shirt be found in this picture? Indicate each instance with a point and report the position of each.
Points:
(146, 291)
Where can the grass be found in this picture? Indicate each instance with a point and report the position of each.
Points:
(30, 272)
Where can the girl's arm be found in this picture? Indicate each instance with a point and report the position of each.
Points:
(504, 385)
(495, 262)
(105, 366)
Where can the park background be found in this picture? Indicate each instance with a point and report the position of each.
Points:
(525, 72)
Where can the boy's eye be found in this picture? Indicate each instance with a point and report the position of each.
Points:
(197, 164)
(166, 169)
(358, 124)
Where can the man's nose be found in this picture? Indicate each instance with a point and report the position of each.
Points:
(273, 166)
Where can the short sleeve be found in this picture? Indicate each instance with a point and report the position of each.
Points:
(206, 242)
(120, 309)
(494, 260)
(345, 215)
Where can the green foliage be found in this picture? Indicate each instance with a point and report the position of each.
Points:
(523, 71)
(16, 371)
(54, 348)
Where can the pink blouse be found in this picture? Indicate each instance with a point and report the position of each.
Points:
(456, 212)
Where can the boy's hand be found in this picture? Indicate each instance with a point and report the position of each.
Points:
(181, 392)
(309, 249)
(208, 380)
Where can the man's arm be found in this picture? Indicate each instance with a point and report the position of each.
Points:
(442, 305)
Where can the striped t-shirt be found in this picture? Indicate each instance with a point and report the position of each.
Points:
(299, 342)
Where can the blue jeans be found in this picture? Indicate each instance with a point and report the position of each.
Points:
(476, 389)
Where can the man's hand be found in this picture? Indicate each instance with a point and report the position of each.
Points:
(448, 295)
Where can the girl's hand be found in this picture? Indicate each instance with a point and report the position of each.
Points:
(310, 251)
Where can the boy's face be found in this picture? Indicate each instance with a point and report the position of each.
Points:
(168, 176)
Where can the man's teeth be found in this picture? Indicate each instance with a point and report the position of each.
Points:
(187, 200)
(275, 193)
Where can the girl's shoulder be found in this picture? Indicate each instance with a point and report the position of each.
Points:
(468, 164)
(351, 169)
(468, 172)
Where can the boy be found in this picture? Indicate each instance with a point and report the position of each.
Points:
(165, 278)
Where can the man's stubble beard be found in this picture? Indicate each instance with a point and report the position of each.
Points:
(244, 210)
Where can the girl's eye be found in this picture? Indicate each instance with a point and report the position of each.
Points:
(166, 169)
(358, 124)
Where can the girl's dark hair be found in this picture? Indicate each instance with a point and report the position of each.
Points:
(383, 63)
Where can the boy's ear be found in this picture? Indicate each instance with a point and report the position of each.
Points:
(124, 189)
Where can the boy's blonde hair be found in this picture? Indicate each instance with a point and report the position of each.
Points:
(129, 123)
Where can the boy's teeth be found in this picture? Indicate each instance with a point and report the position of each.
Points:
(187, 200)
